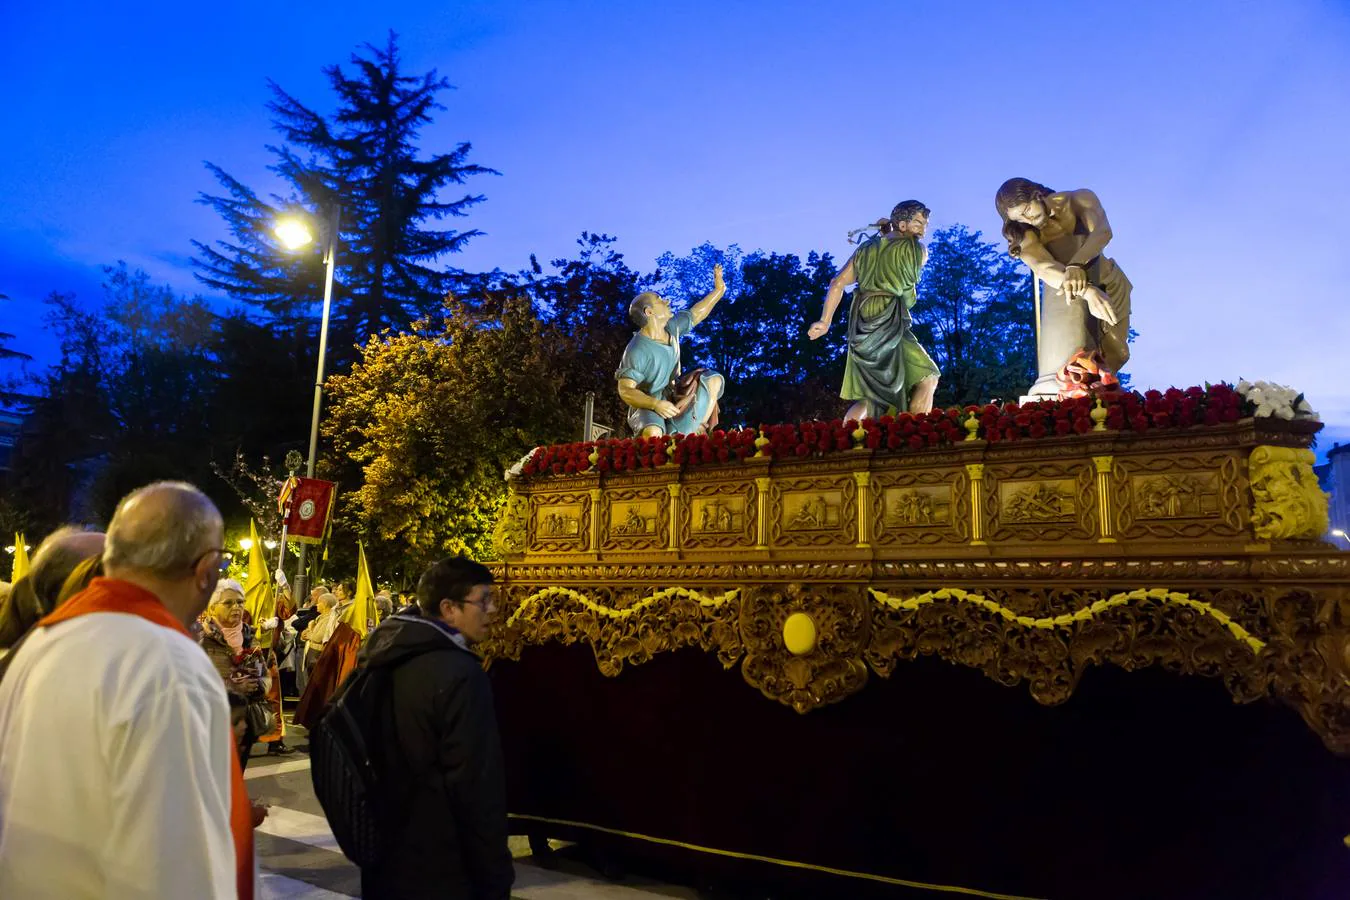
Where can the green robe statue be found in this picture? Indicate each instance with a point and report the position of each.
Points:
(885, 360)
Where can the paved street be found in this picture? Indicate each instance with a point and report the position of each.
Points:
(300, 860)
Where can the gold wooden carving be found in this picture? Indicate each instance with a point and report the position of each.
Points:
(1287, 642)
(1288, 502)
(1180, 496)
(820, 676)
(1042, 502)
(813, 512)
(511, 536)
(560, 523)
(921, 507)
(986, 556)
(635, 519)
(716, 515)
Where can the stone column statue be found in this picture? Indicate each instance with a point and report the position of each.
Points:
(1085, 315)
(887, 368)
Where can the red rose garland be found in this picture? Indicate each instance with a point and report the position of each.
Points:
(1139, 413)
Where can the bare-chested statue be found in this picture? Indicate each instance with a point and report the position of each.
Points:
(1085, 317)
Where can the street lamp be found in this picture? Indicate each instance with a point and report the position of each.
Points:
(1340, 533)
(295, 233)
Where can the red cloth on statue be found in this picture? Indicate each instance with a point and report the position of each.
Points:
(1085, 373)
(335, 663)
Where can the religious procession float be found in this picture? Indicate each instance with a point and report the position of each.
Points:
(1088, 645)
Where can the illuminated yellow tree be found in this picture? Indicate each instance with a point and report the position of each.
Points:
(427, 422)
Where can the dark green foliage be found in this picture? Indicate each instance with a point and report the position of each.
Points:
(975, 318)
(756, 336)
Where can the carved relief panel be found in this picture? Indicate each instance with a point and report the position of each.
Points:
(1179, 496)
(634, 519)
(921, 507)
(1041, 502)
(560, 523)
(717, 515)
(813, 512)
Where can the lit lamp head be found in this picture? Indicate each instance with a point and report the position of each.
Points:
(293, 233)
(246, 543)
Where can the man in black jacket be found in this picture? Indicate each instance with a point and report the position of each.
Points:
(443, 760)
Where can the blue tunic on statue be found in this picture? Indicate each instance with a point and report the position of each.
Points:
(652, 365)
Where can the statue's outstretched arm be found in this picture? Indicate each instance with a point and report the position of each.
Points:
(1089, 211)
(832, 297)
(700, 310)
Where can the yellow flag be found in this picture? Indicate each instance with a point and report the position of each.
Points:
(20, 559)
(258, 597)
(362, 611)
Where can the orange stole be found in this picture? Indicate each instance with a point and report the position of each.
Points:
(334, 664)
(285, 609)
(274, 701)
(111, 595)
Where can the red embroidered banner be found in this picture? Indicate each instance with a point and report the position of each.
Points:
(311, 506)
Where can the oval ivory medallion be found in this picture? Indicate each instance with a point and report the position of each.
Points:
(799, 634)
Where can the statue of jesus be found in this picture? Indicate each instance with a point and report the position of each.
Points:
(1085, 320)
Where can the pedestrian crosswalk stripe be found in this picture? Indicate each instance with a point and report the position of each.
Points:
(302, 827)
(281, 768)
(280, 887)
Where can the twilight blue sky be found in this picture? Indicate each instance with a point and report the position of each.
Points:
(1216, 132)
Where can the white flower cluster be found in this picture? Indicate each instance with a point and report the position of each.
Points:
(519, 468)
(1275, 401)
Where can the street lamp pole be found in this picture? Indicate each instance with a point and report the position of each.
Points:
(330, 263)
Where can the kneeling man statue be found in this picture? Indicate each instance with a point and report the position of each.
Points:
(661, 399)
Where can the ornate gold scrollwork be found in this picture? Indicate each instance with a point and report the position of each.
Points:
(1288, 502)
(827, 672)
(510, 537)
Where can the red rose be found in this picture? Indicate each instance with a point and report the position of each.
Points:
(915, 442)
(803, 450)
(873, 440)
(1211, 417)
(1082, 426)
(1230, 414)
(895, 441)
(1062, 426)
(1038, 431)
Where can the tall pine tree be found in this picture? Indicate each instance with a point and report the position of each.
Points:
(365, 157)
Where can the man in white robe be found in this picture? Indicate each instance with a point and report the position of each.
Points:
(115, 741)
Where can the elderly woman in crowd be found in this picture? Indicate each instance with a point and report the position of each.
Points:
(229, 644)
(316, 634)
(39, 592)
